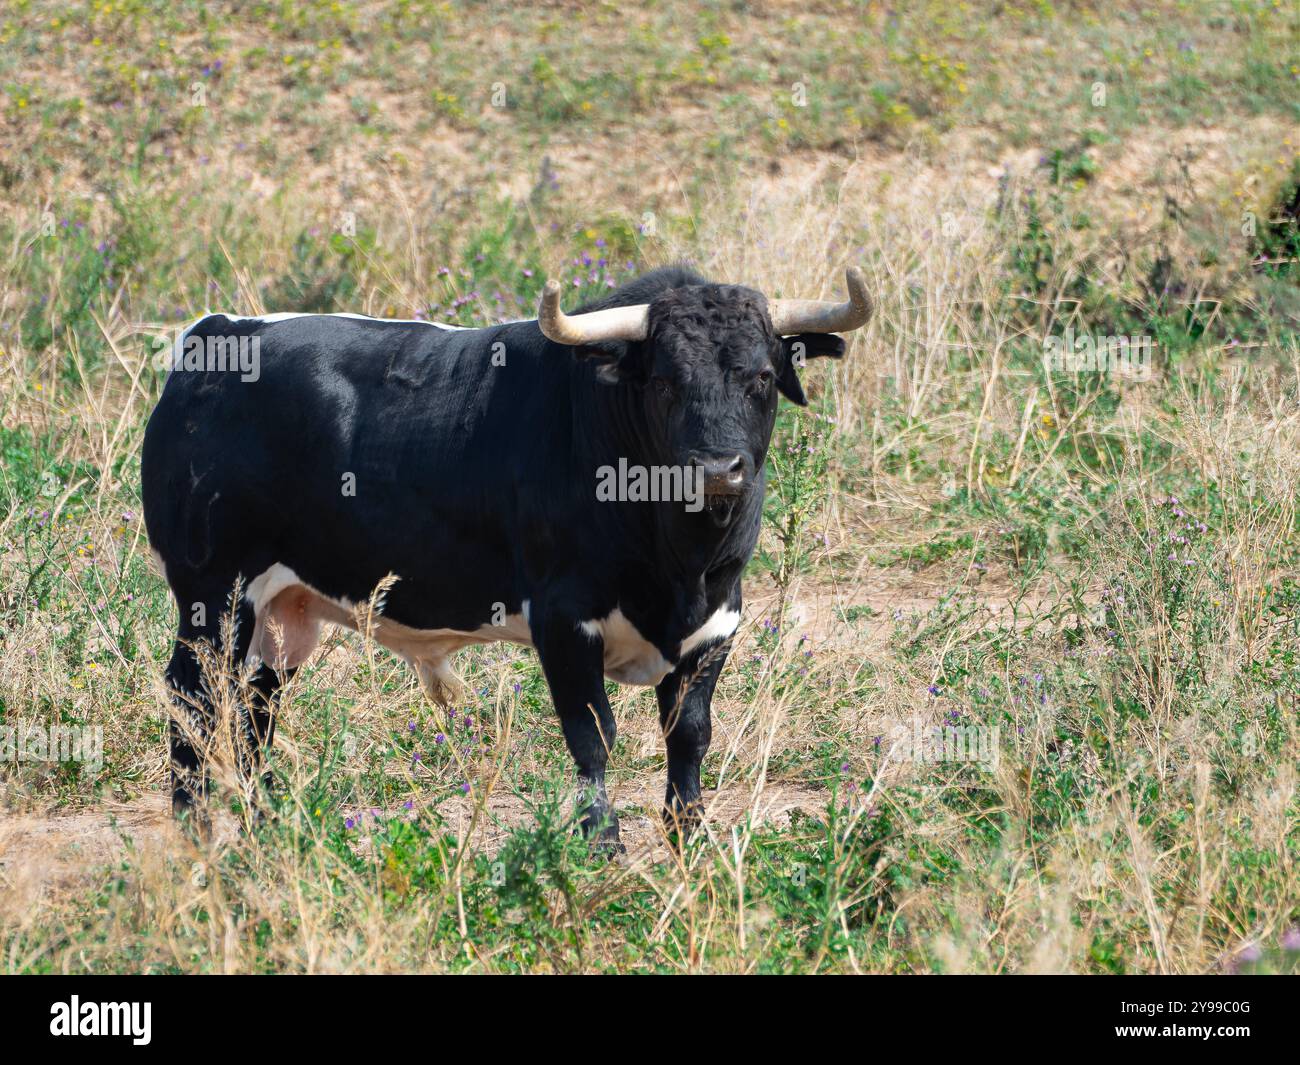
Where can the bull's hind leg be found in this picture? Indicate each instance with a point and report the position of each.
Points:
(190, 729)
(193, 672)
(257, 723)
(207, 666)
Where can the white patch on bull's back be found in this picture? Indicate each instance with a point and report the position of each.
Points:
(285, 316)
(289, 614)
(178, 348)
(721, 625)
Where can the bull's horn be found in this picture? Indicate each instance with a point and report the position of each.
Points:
(818, 316)
(616, 323)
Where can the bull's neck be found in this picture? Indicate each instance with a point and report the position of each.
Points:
(618, 427)
(612, 424)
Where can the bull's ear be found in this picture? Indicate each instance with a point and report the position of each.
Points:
(813, 346)
(795, 351)
(787, 381)
(615, 360)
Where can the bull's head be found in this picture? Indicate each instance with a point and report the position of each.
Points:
(707, 361)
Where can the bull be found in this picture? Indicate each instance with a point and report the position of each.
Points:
(473, 465)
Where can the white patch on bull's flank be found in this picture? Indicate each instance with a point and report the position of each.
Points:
(265, 587)
(721, 625)
(289, 614)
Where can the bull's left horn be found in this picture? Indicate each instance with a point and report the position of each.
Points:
(818, 316)
(616, 323)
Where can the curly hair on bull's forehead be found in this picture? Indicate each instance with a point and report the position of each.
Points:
(709, 312)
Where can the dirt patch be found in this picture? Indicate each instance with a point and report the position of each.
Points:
(39, 854)
(57, 850)
(864, 612)
(637, 804)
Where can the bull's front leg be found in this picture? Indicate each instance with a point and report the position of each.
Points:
(574, 664)
(685, 714)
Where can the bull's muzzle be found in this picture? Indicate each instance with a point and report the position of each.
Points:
(725, 475)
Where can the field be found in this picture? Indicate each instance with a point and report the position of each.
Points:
(1093, 573)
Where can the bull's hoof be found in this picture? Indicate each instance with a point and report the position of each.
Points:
(189, 815)
(607, 846)
(602, 834)
(682, 820)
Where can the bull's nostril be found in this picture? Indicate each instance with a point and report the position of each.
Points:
(725, 475)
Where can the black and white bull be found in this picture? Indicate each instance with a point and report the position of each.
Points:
(469, 463)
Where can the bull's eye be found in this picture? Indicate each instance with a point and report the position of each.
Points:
(764, 378)
(663, 387)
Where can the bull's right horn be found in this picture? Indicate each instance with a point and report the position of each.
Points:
(819, 316)
(616, 323)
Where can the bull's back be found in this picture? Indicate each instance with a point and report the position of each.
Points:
(350, 449)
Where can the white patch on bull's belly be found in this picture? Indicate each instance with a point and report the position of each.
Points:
(629, 657)
(632, 659)
(289, 614)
